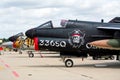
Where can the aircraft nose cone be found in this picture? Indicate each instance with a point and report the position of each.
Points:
(12, 38)
(30, 33)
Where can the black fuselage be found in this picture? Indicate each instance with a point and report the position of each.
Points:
(73, 37)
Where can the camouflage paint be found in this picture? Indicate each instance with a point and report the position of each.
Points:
(114, 43)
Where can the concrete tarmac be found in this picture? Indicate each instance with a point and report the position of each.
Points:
(14, 66)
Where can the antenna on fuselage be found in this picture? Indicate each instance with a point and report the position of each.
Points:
(102, 20)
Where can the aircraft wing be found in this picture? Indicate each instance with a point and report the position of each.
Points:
(109, 28)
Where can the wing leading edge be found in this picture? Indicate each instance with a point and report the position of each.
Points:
(109, 28)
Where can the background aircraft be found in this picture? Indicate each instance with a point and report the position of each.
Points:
(78, 38)
(7, 45)
(21, 42)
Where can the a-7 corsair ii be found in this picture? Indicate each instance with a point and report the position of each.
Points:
(78, 38)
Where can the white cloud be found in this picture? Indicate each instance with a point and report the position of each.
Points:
(20, 15)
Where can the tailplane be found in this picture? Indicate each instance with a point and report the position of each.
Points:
(115, 20)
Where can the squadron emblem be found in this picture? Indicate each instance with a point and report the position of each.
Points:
(76, 38)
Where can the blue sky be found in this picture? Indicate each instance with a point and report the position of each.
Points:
(20, 15)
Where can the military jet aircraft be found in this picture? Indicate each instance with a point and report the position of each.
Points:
(78, 38)
(21, 42)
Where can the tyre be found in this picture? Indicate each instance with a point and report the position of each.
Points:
(31, 55)
(69, 63)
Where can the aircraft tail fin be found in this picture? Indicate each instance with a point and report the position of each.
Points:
(115, 20)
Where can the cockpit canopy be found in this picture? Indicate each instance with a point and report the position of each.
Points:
(63, 23)
(46, 25)
(14, 37)
(50, 25)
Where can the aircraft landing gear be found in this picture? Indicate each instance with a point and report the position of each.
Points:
(30, 54)
(69, 63)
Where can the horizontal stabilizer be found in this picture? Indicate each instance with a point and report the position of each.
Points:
(115, 20)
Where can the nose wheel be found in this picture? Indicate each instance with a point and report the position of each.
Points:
(30, 54)
(69, 63)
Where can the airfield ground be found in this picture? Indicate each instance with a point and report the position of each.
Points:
(14, 66)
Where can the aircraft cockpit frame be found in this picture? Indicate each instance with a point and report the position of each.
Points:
(45, 25)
